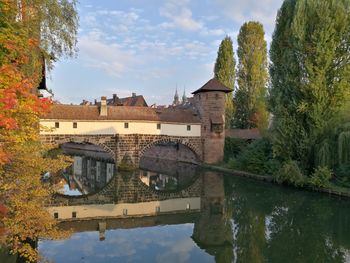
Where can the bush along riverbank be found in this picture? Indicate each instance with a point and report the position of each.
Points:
(255, 159)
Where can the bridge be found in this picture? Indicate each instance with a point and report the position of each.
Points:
(129, 132)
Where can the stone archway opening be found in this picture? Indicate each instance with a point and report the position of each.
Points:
(92, 168)
(168, 166)
(171, 151)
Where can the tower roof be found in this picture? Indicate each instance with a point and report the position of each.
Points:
(213, 85)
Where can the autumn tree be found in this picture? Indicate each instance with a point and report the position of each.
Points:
(224, 71)
(31, 32)
(252, 77)
(310, 75)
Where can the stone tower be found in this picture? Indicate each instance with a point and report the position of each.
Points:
(210, 103)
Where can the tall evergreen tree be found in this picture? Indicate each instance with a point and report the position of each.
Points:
(252, 77)
(224, 71)
(310, 74)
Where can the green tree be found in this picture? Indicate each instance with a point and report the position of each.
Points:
(310, 74)
(224, 71)
(252, 78)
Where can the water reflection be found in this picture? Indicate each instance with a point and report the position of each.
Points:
(166, 175)
(210, 218)
(91, 170)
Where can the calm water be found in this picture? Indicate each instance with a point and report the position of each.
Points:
(167, 212)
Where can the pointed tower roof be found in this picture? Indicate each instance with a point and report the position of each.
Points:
(213, 85)
(176, 98)
(184, 98)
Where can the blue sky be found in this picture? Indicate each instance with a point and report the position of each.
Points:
(150, 46)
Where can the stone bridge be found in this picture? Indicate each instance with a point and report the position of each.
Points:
(129, 147)
(127, 132)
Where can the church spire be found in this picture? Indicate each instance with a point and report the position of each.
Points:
(184, 98)
(176, 98)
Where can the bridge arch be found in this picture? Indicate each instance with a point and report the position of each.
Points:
(168, 140)
(106, 143)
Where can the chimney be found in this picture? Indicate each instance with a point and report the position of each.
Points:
(115, 97)
(103, 107)
(134, 94)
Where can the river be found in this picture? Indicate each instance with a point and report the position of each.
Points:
(172, 212)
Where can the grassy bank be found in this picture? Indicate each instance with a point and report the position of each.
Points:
(332, 189)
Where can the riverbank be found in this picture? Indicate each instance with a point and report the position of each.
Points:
(331, 190)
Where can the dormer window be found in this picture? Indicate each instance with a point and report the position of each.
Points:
(126, 125)
(75, 125)
(57, 125)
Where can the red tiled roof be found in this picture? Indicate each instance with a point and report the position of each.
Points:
(128, 101)
(80, 112)
(213, 85)
(243, 133)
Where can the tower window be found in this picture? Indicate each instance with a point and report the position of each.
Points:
(75, 125)
(126, 125)
(55, 215)
(158, 126)
(57, 124)
(216, 96)
(74, 214)
(188, 127)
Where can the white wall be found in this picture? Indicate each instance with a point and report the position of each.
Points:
(135, 209)
(117, 127)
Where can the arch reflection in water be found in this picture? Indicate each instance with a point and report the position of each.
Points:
(91, 170)
(167, 175)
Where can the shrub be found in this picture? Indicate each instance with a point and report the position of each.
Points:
(233, 147)
(321, 176)
(343, 171)
(290, 173)
(256, 158)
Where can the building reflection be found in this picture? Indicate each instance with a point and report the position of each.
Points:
(91, 170)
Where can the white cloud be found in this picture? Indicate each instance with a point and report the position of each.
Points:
(108, 57)
(264, 11)
(180, 15)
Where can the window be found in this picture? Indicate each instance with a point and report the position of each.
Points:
(57, 124)
(125, 212)
(216, 96)
(55, 215)
(188, 127)
(205, 127)
(126, 125)
(158, 126)
(75, 125)
(206, 96)
(157, 209)
(188, 206)
(74, 214)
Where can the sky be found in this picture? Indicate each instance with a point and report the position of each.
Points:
(150, 47)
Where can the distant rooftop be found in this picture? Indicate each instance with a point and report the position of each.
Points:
(213, 85)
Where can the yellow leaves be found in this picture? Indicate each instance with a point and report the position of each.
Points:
(302, 107)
